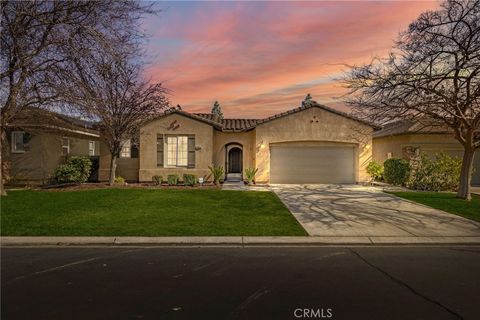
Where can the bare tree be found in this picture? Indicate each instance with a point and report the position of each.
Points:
(35, 37)
(433, 72)
(111, 90)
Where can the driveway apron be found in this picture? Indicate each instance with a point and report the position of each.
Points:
(354, 210)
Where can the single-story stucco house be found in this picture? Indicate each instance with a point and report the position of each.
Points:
(401, 139)
(309, 144)
(40, 140)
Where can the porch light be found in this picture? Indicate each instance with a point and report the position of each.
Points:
(262, 146)
(368, 146)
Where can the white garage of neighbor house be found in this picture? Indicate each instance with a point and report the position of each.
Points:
(309, 144)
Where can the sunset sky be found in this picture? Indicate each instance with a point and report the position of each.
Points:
(260, 58)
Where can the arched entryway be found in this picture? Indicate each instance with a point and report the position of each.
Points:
(233, 162)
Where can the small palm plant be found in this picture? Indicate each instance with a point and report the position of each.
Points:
(250, 175)
(217, 173)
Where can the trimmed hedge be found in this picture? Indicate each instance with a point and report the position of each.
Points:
(396, 171)
(76, 169)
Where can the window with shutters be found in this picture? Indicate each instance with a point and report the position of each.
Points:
(17, 142)
(160, 150)
(180, 151)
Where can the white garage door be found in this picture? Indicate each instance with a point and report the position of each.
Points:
(326, 164)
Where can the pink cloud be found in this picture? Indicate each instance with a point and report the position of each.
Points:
(261, 58)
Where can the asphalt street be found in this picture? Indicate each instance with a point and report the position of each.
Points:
(430, 282)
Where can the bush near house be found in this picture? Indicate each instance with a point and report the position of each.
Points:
(119, 180)
(157, 180)
(250, 175)
(396, 171)
(172, 179)
(189, 179)
(217, 173)
(76, 169)
(439, 174)
(375, 170)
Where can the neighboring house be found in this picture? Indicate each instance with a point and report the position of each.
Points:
(40, 140)
(309, 144)
(401, 139)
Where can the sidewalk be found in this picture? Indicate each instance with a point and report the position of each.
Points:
(233, 241)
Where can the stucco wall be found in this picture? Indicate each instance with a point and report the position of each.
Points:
(246, 139)
(428, 143)
(43, 155)
(127, 168)
(312, 125)
(183, 126)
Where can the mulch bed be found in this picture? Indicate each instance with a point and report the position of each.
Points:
(100, 185)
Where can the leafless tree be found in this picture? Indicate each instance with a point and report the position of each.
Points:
(111, 90)
(433, 72)
(35, 41)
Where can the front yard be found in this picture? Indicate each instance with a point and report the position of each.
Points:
(446, 202)
(146, 212)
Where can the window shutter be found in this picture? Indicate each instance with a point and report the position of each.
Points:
(191, 151)
(134, 151)
(159, 150)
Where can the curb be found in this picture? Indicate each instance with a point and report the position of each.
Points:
(233, 241)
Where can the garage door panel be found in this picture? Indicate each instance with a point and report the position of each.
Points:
(332, 164)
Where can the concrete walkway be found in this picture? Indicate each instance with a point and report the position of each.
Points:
(241, 241)
(358, 211)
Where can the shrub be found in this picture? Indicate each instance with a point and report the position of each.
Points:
(189, 179)
(396, 171)
(217, 173)
(76, 169)
(84, 165)
(172, 179)
(250, 175)
(157, 180)
(375, 170)
(66, 173)
(439, 174)
(119, 180)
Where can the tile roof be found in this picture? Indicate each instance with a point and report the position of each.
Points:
(231, 124)
(410, 126)
(242, 124)
(320, 106)
(36, 118)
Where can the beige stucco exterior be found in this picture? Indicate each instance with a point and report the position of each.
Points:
(43, 153)
(175, 124)
(244, 140)
(396, 146)
(308, 127)
(127, 168)
(313, 126)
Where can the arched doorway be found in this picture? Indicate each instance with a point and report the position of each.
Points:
(233, 161)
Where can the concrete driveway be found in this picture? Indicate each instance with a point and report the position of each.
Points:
(353, 210)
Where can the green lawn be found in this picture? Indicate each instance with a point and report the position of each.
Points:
(146, 212)
(446, 202)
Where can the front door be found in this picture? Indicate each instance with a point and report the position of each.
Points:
(235, 160)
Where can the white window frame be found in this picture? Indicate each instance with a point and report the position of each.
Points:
(67, 146)
(173, 148)
(14, 141)
(126, 151)
(91, 148)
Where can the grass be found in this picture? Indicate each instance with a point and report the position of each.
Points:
(446, 202)
(146, 212)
